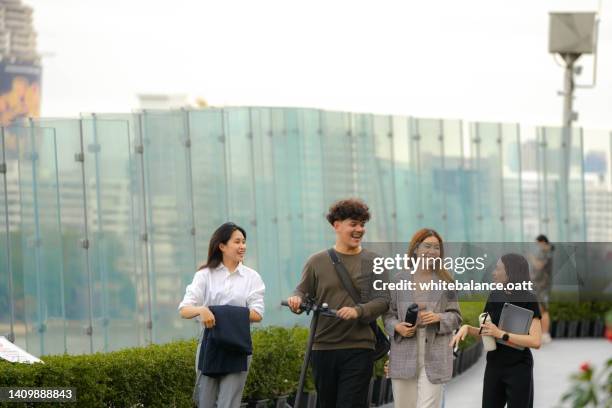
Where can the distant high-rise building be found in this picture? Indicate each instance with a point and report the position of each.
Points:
(20, 69)
(17, 35)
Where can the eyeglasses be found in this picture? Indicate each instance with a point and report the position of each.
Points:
(428, 246)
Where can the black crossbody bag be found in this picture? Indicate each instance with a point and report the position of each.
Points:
(382, 342)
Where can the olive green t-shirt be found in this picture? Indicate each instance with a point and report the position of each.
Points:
(320, 279)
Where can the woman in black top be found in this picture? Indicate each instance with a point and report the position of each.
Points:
(509, 373)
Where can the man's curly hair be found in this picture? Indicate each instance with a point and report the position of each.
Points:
(351, 208)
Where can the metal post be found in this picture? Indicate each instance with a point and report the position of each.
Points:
(21, 212)
(226, 164)
(540, 186)
(391, 136)
(520, 182)
(9, 267)
(583, 188)
(149, 228)
(463, 183)
(269, 134)
(320, 133)
(61, 233)
(133, 233)
(546, 217)
(479, 217)
(443, 168)
(250, 135)
(568, 118)
(80, 157)
(353, 158)
(389, 225)
(101, 244)
(37, 240)
(568, 90)
(144, 230)
(189, 170)
(502, 203)
(416, 151)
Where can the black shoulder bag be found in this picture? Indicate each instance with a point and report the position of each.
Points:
(382, 342)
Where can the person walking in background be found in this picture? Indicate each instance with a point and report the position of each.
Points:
(508, 375)
(343, 349)
(225, 284)
(542, 263)
(420, 360)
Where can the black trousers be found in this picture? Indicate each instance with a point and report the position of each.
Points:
(342, 377)
(508, 384)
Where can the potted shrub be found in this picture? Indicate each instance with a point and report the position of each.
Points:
(586, 316)
(558, 314)
(598, 311)
(598, 327)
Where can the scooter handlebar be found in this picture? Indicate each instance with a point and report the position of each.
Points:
(323, 309)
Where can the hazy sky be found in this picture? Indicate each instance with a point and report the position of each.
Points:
(475, 60)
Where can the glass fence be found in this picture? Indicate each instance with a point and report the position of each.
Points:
(103, 219)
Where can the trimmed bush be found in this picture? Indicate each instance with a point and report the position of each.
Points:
(277, 359)
(154, 376)
(572, 311)
(163, 375)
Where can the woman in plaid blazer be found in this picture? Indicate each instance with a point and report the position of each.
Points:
(420, 360)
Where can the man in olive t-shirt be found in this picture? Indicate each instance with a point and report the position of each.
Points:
(343, 347)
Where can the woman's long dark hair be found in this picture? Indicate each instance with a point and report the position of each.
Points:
(517, 268)
(221, 236)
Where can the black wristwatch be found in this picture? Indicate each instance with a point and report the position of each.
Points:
(506, 337)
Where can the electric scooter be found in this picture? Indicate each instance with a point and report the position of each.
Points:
(309, 305)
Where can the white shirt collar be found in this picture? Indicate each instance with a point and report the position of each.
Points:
(240, 268)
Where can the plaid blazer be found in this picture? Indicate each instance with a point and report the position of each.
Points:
(438, 354)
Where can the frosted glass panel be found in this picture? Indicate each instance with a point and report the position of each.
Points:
(106, 218)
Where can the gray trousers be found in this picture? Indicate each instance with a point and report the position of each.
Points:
(219, 392)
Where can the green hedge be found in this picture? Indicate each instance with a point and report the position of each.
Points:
(470, 310)
(589, 310)
(163, 375)
(154, 376)
(277, 358)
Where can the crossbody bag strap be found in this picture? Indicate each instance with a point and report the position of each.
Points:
(344, 276)
(346, 281)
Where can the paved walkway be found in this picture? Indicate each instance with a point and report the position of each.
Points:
(554, 363)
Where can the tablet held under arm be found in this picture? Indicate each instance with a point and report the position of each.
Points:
(515, 320)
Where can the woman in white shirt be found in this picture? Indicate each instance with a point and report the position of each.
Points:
(223, 280)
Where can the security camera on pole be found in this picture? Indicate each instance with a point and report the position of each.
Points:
(571, 35)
